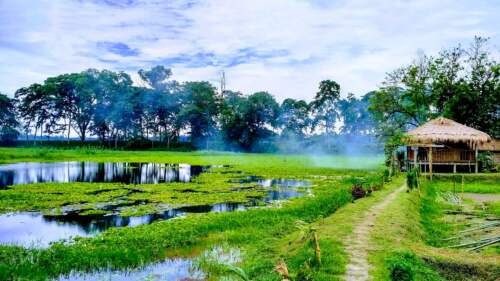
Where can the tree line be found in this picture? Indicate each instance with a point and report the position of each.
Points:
(107, 105)
(459, 83)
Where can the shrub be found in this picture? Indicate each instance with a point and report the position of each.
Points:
(386, 174)
(412, 178)
(486, 160)
(400, 266)
(406, 266)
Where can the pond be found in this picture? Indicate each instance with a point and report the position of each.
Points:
(34, 229)
(119, 172)
(172, 269)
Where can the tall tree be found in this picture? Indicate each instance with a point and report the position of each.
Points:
(476, 102)
(249, 120)
(294, 118)
(260, 115)
(355, 116)
(36, 107)
(461, 84)
(111, 105)
(324, 105)
(8, 121)
(165, 99)
(156, 77)
(405, 99)
(232, 119)
(199, 111)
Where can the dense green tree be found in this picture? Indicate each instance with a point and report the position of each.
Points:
(36, 107)
(156, 77)
(232, 119)
(325, 105)
(475, 98)
(459, 84)
(355, 116)
(164, 101)
(8, 121)
(295, 118)
(246, 121)
(74, 99)
(261, 115)
(405, 99)
(462, 84)
(111, 105)
(200, 107)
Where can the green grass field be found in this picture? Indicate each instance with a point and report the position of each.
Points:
(406, 236)
(412, 233)
(255, 231)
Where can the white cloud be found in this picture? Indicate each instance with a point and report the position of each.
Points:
(284, 47)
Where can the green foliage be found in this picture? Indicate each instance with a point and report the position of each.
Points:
(431, 213)
(459, 84)
(132, 246)
(246, 120)
(294, 118)
(324, 105)
(199, 110)
(310, 236)
(356, 118)
(400, 268)
(486, 160)
(390, 150)
(8, 122)
(156, 77)
(406, 266)
(303, 265)
(386, 175)
(238, 272)
(412, 178)
(255, 230)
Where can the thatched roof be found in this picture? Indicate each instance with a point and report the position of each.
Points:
(493, 145)
(443, 130)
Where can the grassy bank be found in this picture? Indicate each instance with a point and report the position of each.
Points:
(333, 232)
(409, 238)
(270, 162)
(257, 232)
(125, 247)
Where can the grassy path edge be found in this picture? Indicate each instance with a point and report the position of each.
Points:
(357, 249)
(333, 232)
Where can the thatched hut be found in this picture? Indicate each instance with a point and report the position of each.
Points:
(444, 142)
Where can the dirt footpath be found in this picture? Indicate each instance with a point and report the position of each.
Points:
(358, 243)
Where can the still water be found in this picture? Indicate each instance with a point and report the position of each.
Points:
(33, 229)
(171, 269)
(120, 172)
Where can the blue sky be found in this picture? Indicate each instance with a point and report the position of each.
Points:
(284, 47)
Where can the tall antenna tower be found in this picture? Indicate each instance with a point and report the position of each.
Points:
(222, 83)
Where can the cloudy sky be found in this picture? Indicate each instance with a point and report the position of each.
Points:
(283, 46)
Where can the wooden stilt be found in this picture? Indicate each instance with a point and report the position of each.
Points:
(430, 162)
(476, 167)
(415, 154)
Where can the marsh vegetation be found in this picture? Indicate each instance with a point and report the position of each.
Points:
(286, 216)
